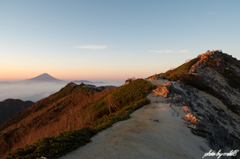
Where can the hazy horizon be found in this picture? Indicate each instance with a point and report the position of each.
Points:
(35, 91)
(26, 89)
(94, 80)
(66, 79)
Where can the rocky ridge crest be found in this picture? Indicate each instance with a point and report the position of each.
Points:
(221, 72)
(215, 115)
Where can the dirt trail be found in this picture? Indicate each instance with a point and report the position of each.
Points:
(140, 137)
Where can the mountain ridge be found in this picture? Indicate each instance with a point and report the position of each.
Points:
(69, 109)
(206, 88)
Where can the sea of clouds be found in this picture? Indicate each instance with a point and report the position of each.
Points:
(37, 91)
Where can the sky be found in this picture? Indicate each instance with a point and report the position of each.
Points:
(106, 39)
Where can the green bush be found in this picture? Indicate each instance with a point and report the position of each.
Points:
(186, 66)
(181, 71)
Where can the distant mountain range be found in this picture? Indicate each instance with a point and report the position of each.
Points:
(86, 81)
(82, 81)
(45, 77)
(4, 82)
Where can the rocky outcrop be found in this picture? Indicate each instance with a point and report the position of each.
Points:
(164, 90)
(129, 80)
(95, 88)
(222, 73)
(191, 118)
(207, 117)
(217, 60)
(157, 77)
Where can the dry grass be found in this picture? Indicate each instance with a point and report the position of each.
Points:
(59, 114)
(82, 112)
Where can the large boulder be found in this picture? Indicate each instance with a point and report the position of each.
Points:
(164, 90)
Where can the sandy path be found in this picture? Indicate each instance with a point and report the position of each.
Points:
(142, 138)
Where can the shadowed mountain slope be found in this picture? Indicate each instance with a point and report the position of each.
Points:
(10, 107)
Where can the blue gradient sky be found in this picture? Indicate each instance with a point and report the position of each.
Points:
(111, 39)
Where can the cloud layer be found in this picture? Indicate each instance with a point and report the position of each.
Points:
(184, 51)
(171, 51)
(91, 47)
(165, 51)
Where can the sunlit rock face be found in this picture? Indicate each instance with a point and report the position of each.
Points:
(163, 90)
(191, 118)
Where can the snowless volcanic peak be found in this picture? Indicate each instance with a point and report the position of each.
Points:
(44, 77)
